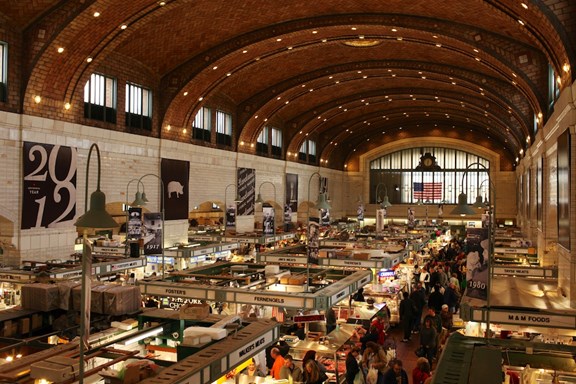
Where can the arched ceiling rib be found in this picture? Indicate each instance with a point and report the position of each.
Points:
(483, 63)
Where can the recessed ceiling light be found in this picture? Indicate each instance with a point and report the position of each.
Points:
(439, 45)
(37, 99)
(161, 3)
(324, 40)
(244, 51)
(200, 98)
(168, 127)
(399, 38)
(186, 93)
(314, 32)
(477, 58)
(89, 60)
(67, 106)
(60, 49)
(524, 5)
(394, 30)
(96, 14)
(123, 26)
(215, 67)
(184, 131)
(279, 39)
(229, 74)
(521, 22)
(353, 28)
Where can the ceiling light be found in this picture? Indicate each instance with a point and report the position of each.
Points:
(521, 22)
(200, 98)
(60, 49)
(361, 43)
(434, 36)
(394, 30)
(168, 127)
(96, 14)
(287, 101)
(244, 51)
(184, 131)
(289, 48)
(161, 3)
(186, 93)
(123, 26)
(364, 77)
(229, 74)
(566, 67)
(324, 40)
(37, 99)
(279, 39)
(89, 60)
(439, 45)
(477, 58)
(399, 38)
(353, 28)
(524, 5)
(314, 32)
(67, 106)
(215, 67)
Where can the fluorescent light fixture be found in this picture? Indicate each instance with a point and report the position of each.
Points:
(142, 336)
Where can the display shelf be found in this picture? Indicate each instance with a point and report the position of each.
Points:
(330, 348)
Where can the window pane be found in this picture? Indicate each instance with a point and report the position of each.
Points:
(263, 136)
(276, 137)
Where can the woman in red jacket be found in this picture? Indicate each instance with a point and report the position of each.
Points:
(421, 372)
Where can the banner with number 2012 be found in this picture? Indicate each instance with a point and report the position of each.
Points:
(49, 185)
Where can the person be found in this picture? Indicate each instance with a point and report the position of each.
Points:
(299, 330)
(375, 357)
(372, 335)
(436, 299)
(435, 320)
(451, 297)
(428, 337)
(380, 322)
(418, 296)
(278, 363)
(330, 320)
(407, 313)
(421, 371)
(352, 366)
(252, 370)
(311, 355)
(425, 279)
(396, 374)
(446, 317)
(312, 374)
(290, 370)
(359, 295)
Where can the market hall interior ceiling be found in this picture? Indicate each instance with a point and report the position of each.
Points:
(349, 75)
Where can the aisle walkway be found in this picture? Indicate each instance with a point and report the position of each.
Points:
(405, 351)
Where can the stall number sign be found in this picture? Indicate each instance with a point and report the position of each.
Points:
(519, 271)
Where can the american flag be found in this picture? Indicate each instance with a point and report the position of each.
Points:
(428, 191)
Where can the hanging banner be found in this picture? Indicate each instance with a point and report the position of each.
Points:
(175, 176)
(324, 217)
(49, 185)
(411, 218)
(360, 211)
(313, 242)
(380, 216)
(246, 191)
(152, 233)
(291, 199)
(134, 226)
(231, 216)
(268, 220)
(477, 259)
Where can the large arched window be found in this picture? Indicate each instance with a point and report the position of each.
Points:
(428, 175)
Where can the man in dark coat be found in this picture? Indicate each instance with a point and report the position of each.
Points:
(418, 296)
(407, 313)
(436, 299)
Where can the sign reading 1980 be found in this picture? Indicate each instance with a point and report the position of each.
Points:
(49, 190)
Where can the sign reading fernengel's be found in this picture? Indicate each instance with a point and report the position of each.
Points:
(533, 319)
(274, 301)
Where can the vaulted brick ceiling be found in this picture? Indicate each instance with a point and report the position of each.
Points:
(352, 74)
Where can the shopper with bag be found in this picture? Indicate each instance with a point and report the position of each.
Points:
(353, 373)
(396, 374)
(374, 363)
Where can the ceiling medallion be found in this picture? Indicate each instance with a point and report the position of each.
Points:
(361, 43)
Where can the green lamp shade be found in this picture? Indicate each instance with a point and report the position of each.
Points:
(139, 200)
(321, 203)
(96, 216)
(463, 208)
(385, 203)
(419, 202)
(478, 203)
(259, 199)
(144, 198)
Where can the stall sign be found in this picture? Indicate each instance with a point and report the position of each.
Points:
(251, 348)
(533, 272)
(350, 263)
(309, 318)
(175, 291)
(534, 319)
(16, 277)
(336, 243)
(158, 260)
(125, 265)
(513, 250)
(282, 259)
(203, 251)
(339, 296)
(274, 301)
(228, 247)
(387, 273)
(205, 238)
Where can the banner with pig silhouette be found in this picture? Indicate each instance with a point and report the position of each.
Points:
(175, 176)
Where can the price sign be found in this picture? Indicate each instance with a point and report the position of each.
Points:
(49, 185)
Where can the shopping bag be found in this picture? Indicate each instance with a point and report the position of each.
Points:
(359, 378)
(372, 376)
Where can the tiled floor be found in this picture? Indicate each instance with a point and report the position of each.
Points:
(404, 351)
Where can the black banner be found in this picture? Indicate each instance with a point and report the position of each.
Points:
(291, 200)
(313, 242)
(49, 185)
(134, 226)
(153, 233)
(268, 221)
(175, 176)
(477, 263)
(246, 191)
(231, 215)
